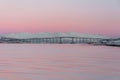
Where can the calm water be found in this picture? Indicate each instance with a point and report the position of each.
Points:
(59, 62)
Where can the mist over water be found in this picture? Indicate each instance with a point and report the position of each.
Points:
(59, 62)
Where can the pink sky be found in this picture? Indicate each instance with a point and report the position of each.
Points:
(84, 16)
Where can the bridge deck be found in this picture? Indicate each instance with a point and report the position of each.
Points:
(59, 40)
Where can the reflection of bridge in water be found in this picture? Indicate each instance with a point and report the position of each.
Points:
(58, 40)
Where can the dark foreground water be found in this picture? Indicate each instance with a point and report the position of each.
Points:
(59, 62)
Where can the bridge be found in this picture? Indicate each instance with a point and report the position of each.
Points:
(53, 40)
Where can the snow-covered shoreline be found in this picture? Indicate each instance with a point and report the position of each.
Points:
(111, 42)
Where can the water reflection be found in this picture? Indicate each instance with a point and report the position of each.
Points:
(59, 62)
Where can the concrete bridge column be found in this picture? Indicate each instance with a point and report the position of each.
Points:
(51, 40)
(79, 39)
(56, 41)
(45, 40)
(42, 40)
(72, 40)
(60, 40)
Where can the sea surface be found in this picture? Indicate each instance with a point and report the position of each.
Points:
(59, 62)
